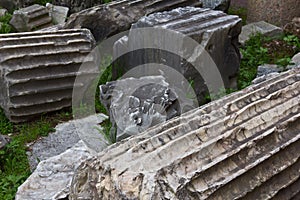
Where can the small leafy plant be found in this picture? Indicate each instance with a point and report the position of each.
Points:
(4, 24)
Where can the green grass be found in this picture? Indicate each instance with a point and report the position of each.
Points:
(14, 166)
(6, 28)
(257, 52)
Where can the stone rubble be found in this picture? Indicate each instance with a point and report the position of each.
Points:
(243, 146)
(31, 18)
(38, 70)
(58, 161)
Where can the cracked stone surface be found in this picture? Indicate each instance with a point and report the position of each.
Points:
(38, 70)
(60, 154)
(31, 18)
(243, 146)
(135, 104)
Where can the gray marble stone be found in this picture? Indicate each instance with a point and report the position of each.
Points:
(261, 27)
(38, 71)
(31, 18)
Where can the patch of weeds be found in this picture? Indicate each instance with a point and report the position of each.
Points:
(241, 12)
(29, 132)
(14, 166)
(254, 54)
(6, 126)
(106, 76)
(5, 26)
(109, 133)
(14, 169)
(260, 50)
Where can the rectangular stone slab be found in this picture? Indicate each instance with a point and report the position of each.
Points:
(38, 70)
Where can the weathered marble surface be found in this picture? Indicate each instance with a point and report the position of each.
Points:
(261, 27)
(214, 31)
(58, 160)
(31, 18)
(243, 146)
(135, 104)
(115, 17)
(38, 70)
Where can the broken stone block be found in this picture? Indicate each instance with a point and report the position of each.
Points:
(243, 146)
(58, 14)
(216, 32)
(64, 138)
(31, 18)
(261, 27)
(52, 177)
(3, 12)
(277, 12)
(135, 104)
(115, 17)
(38, 70)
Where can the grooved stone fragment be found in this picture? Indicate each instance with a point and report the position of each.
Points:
(243, 146)
(117, 16)
(38, 70)
(216, 32)
(31, 18)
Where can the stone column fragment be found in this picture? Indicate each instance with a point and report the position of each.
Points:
(38, 70)
(243, 146)
(31, 18)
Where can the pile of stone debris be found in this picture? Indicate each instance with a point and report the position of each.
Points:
(245, 145)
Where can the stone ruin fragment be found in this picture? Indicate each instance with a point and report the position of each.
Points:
(79, 5)
(38, 70)
(243, 146)
(117, 16)
(135, 104)
(31, 18)
(216, 32)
